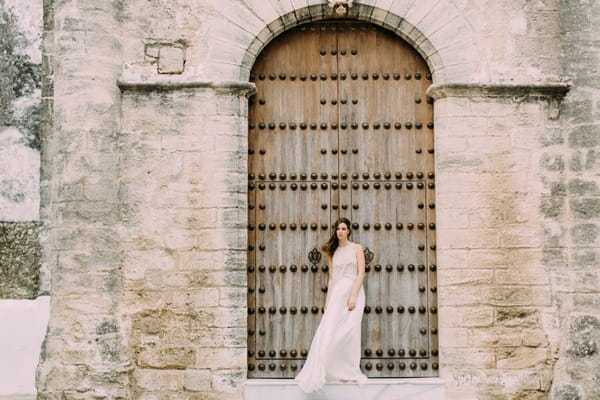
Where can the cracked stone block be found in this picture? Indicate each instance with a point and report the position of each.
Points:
(171, 60)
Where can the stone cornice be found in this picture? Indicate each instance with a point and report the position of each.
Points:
(555, 90)
(245, 88)
(548, 90)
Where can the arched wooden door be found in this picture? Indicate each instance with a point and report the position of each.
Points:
(341, 126)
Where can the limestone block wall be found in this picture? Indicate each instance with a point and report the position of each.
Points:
(478, 41)
(83, 353)
(183, 292)
(571, 207)
(143, 191)
(497, 296)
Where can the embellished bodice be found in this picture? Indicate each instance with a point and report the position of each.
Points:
(344, 262)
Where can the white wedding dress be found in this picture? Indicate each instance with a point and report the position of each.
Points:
(335, 350)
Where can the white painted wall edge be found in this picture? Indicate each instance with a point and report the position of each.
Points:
(20, 178)
(22, 329)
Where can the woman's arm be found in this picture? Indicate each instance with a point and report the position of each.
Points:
(360, 258)
(330, 280)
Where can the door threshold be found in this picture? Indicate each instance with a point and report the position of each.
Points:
(376, 388)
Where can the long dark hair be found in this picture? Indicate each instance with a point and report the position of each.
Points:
(331, 245)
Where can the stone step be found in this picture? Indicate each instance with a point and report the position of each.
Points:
(380, 389)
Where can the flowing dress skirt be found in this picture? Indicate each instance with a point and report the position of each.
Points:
(335, 350)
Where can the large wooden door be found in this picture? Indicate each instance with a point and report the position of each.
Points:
(341, 126)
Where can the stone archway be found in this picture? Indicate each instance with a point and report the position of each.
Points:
(341, 126)
(436, 30)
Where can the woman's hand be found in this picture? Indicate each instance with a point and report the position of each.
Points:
(351, 303)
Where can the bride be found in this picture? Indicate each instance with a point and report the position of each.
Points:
(335, 350)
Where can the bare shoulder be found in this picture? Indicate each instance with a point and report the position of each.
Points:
(358, 247)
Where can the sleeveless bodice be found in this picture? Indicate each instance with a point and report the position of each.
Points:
(344, 262)
(335, 349)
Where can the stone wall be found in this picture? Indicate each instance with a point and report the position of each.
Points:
(497, 302)
(464, 41)
(20, 103)
(571, 209)
(83, 355)
(144, 187)
(184, 269)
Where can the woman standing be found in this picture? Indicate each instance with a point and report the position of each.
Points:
(335, 350)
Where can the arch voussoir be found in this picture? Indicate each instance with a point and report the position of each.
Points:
(430, 28)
